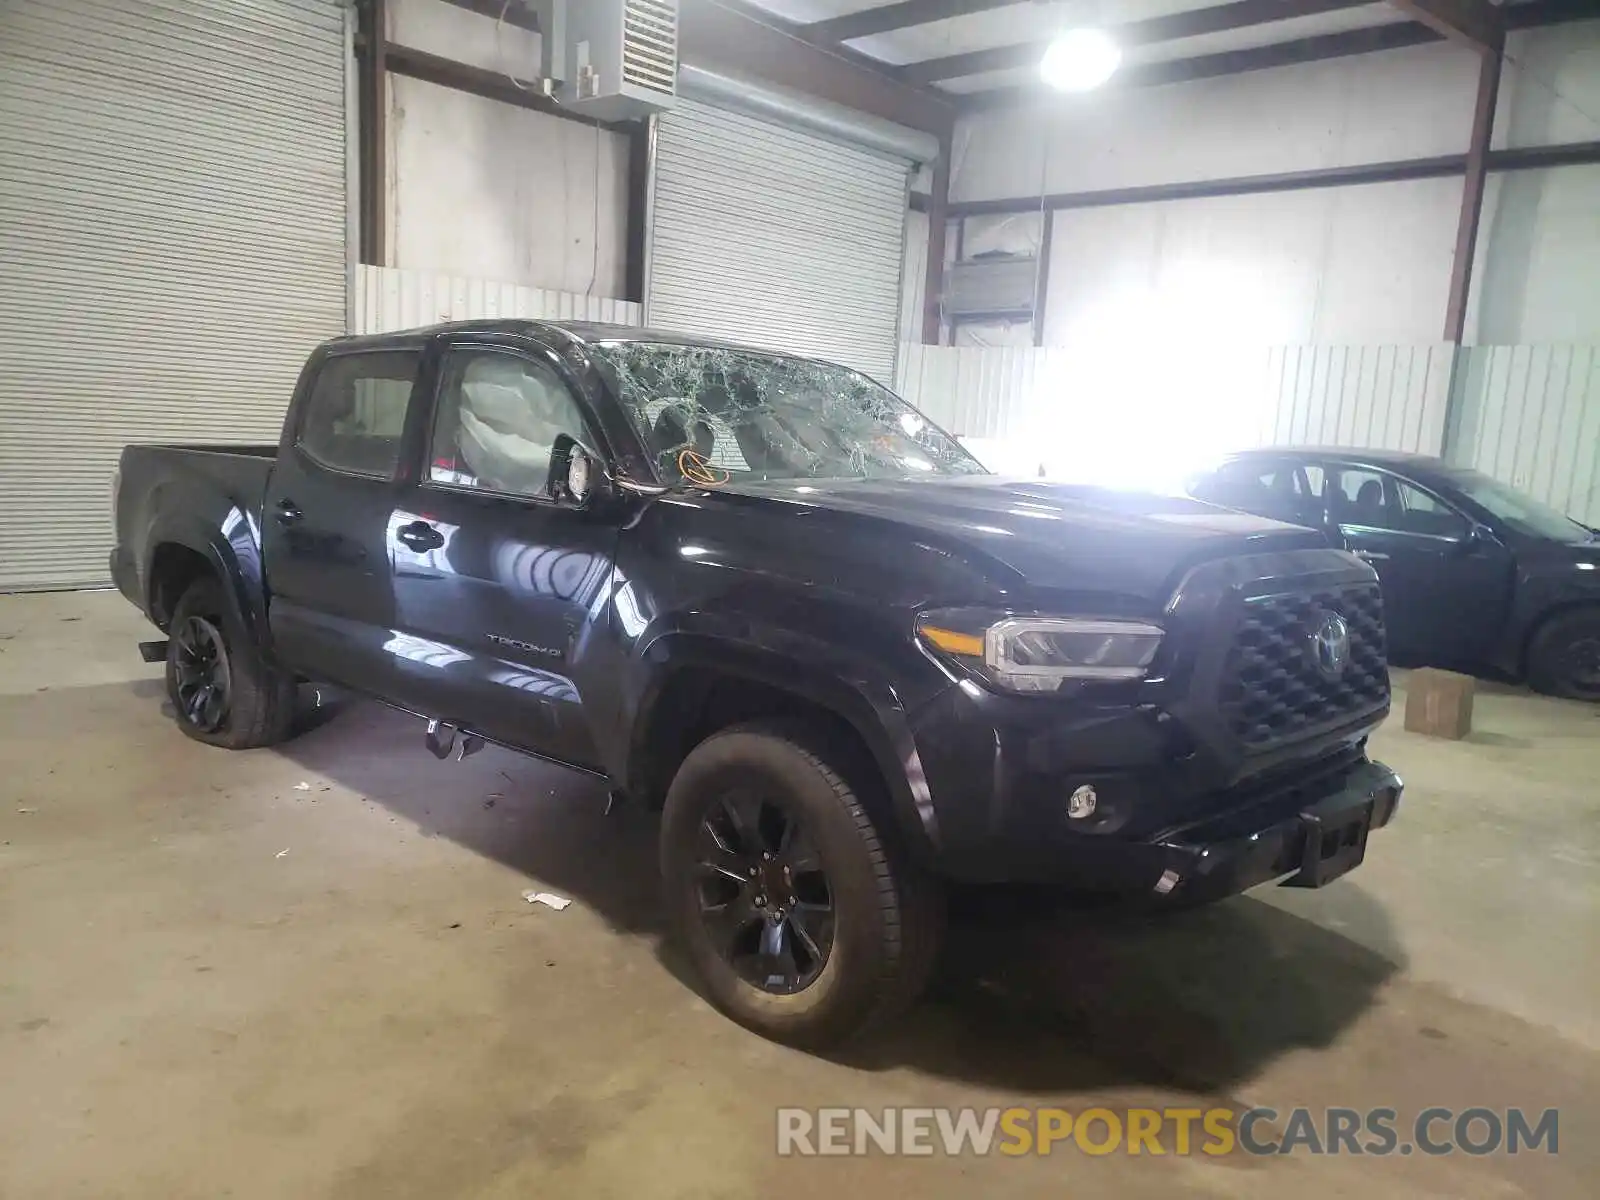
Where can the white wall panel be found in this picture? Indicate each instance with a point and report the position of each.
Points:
(1340, 266)
(1414, 103)
(1379, 397)
(1550, 86)
(1147, 418)
(485, 189)
(1530, 415)
(1371, 108)
(389, 298)
(971, 392)
(452, 32)
(1538, 258)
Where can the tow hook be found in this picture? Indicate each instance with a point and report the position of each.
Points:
(441, 740)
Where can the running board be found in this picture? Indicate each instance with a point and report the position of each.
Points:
(441, 740)
(153, 651)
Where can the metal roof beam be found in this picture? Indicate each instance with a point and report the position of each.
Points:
(1474, 23)
(888, 17)
(739, 36)
(1219, 18)
(1231, 62)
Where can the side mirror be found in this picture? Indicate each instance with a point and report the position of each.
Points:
(576, 473)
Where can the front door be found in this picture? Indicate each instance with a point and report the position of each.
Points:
(326, 517)
(501, 594)
(1445, 587)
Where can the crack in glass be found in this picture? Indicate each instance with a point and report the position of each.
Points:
(755, 417)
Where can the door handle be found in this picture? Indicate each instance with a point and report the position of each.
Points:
(288, 512)
(419, 536)
(1372, 555)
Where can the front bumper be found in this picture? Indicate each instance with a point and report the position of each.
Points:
(1172, 820)
(1307, 838)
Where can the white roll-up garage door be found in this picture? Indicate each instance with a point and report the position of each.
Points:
(765, 234)
(172, 243)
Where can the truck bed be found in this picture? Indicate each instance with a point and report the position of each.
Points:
(199, 485)
(237, 472)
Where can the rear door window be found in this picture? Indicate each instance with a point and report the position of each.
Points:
(354, 420)
(1282, 490)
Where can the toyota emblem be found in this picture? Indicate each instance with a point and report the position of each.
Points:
(1330, 645)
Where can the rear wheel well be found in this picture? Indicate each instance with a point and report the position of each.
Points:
(174, 568)
(698, 702)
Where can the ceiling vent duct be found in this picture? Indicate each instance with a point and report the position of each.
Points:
(613, 60)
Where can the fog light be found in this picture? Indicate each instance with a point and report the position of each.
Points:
(1081, 803)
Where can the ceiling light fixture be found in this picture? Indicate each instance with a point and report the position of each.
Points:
(1080, 59)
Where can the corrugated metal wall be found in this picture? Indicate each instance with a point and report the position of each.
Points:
(172, 243)
(1382, 396)
(390, 298)
(1530, 415)
(973, 392)
(1388, 397)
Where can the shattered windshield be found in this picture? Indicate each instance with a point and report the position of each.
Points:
(710, 415)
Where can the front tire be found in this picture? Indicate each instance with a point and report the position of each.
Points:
(804, 923)
(222, 691)
(1564, 657)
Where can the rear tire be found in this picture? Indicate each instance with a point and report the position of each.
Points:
(872, 920)
(222, 691)
(1564, 656)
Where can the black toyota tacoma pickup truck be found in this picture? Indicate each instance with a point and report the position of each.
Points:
(765, 595)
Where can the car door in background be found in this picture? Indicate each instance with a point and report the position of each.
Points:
(1446, 583)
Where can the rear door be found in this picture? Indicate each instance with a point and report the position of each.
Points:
(1444, 591)
(327, 516)
(502, 594)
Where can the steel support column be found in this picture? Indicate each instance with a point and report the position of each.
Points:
(1472, 186)
(372, 146)
(933, 275)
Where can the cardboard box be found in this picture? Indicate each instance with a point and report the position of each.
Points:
(1439, 703)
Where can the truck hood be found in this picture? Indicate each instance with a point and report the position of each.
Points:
(1055, 536)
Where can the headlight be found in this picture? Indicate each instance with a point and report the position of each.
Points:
(1039, 654)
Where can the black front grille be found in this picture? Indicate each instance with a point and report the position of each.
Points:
(1272, 687)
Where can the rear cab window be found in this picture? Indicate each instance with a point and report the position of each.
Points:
(354, 417)
(1284, 490)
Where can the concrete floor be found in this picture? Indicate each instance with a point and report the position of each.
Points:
(213, 983)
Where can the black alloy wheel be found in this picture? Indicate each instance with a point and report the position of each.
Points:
(801, 920)
(763, 893)
(204, 684)
(1564, 656)
(1582, 662)
(222, 690)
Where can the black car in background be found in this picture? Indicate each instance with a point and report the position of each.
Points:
(1475, 574)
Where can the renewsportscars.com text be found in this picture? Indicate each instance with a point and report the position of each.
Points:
(959, 1132)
